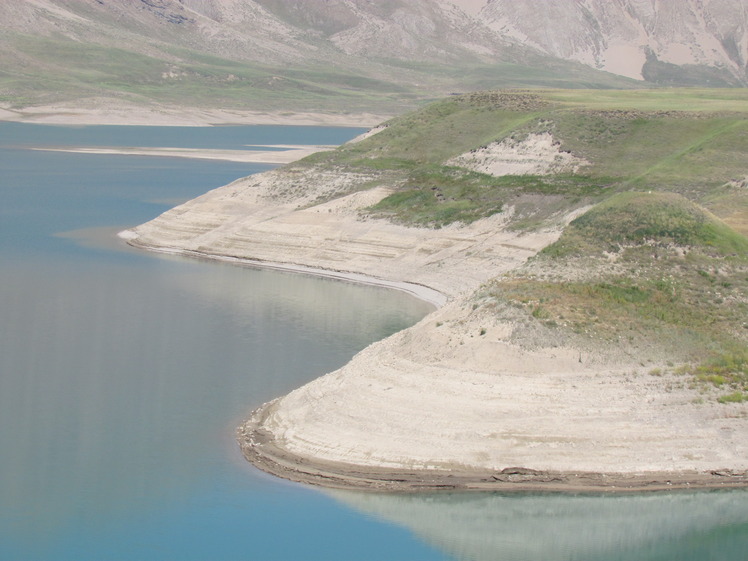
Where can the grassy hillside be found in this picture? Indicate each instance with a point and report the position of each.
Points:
(59, 70)
(276, 55)
(691, 142)
(656, 268)
(49, 70)
(651, 275)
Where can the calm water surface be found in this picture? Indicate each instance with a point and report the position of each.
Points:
(123, 375)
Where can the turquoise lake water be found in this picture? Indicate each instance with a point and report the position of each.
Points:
(123, 375)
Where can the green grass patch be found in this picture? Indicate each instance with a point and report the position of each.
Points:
(695, 153)
(676, 279)
(734, 397)
(703, 100)
(725, 370)
(436, 196)
(685, 152)
(661, 219)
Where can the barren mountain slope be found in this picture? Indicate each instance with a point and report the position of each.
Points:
(276, 55)
(629, 37)
(293, 54)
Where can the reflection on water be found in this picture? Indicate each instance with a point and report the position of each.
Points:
(112, 376)
(684, 526)
(123, 374)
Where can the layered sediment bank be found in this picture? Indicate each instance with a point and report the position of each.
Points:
(453, 403)
(275, 154)
(471, 397)
(261, 448)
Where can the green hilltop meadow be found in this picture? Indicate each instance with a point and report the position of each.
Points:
(691, 142)
(656, 262)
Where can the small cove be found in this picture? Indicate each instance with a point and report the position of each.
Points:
(123, 375)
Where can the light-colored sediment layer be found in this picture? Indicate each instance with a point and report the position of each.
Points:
(452, 402)
(457, 400)
(266, 218)
(538, 154)
(284, 155)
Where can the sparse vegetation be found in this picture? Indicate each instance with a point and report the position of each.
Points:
(728, 370)
(734, 397)
(677, 287)
(632, 141)
(653, 219)
(647, 270)
(166, 64)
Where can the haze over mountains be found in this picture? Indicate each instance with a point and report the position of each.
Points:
(356, 54)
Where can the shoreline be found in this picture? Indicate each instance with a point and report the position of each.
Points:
(422, 292)
(559, 415)
(286, 155)
(260, 448)
(469, 398)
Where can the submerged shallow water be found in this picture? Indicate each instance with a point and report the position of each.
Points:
(123, 375)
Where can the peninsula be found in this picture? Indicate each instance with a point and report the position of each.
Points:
(587, 254)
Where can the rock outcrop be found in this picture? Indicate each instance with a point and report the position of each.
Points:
(538, 154)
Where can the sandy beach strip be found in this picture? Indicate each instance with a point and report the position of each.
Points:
(283, 155)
